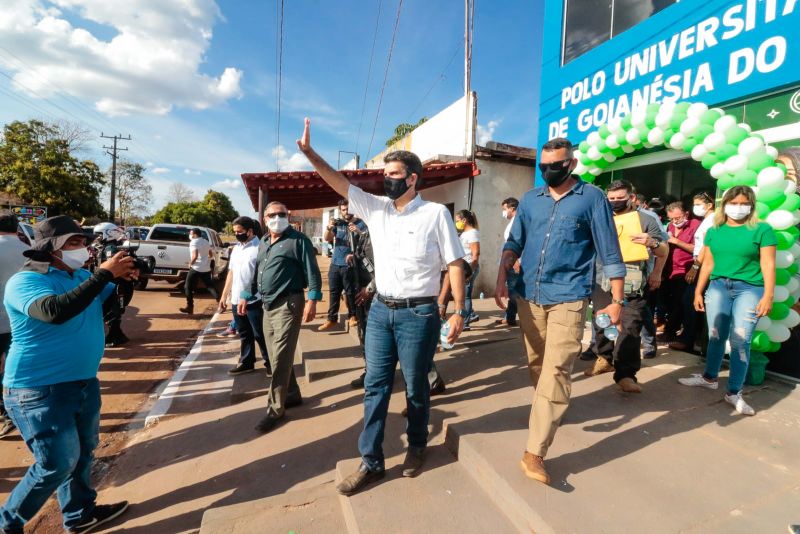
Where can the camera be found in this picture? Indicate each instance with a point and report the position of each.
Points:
(145, 265)
(339, 222)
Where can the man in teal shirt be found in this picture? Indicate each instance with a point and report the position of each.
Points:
(50, 387)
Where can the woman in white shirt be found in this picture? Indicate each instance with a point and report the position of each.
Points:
(467, 226)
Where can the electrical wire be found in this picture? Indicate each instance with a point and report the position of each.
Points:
(369, 74)
(439, 78)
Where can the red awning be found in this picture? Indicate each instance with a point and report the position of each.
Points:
(306, 190)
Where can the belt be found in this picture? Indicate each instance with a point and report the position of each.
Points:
(406, 303)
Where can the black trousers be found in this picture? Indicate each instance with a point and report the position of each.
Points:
(5, 345)
(625, 352)
(340, 278)
(676, 288)
(250, 328)
(191, 284)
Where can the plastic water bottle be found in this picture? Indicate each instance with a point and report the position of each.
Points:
(443, 333)
(481, 295)
(609, 331)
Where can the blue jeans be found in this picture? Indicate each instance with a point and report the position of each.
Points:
(731, 313)
(250, 328)
(60, 424)
(468, 291)
(410, 336)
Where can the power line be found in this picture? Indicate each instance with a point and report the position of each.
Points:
(439, 78)
(385, 76)
(279, 81)
(369, 74)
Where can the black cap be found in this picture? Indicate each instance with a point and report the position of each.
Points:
(52, 234)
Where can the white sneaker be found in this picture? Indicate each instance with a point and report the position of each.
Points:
(699, 381)
(739, 403)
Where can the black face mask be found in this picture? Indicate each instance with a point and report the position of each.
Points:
(242, 238)
(618, 206)
(555, 173)
(395, 188)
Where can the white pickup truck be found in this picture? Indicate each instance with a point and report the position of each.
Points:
(168, 245)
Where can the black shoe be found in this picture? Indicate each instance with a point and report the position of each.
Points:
(102, 513)
(588, 355)
(438, 387)
(358, 383)
(415, 456)
(269, 422)
(188, 310)
(291, 402)
(116, 340)
(268, 367)
(649, 354)
(241, 369)
(358, 480)
(6, 426)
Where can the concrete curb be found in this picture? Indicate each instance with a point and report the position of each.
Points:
(161, 408)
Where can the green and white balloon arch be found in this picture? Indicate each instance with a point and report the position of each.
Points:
(734, 156)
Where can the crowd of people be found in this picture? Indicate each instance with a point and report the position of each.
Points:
(399, 261)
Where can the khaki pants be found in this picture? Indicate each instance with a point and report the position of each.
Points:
(552, 335)
(281, 330)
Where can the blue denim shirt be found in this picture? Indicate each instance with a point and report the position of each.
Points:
(558, 242)
(341, 242)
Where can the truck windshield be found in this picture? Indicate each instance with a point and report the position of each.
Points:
(167, 233)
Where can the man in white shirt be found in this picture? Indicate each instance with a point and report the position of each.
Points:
(411, 240)
(11, 260)
(199, 268)
(510, 213)
(241, 272)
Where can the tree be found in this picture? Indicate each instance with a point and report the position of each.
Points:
(134, 192)
(37, 167)
(76, 136)
(214, 211)
(180, 193)
(402, 130)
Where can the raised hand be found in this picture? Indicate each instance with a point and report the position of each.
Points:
(304, 143)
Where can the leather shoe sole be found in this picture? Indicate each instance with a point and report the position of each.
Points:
(358, 480)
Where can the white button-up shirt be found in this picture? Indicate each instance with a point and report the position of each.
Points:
(242, 264)
(411, 246)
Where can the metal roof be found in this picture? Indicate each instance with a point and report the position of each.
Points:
(306, 190)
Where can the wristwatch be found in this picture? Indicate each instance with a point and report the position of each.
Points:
(657, 243)
(463, 313)
(620, 302)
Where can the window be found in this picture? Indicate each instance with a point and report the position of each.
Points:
(588, 23)
(177, 233)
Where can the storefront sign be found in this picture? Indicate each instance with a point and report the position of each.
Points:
(30, 214)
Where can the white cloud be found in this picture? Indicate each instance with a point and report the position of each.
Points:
(231, 183)
(192, 172)
(295, 162)
(485, 133)
(149, 164)
(150, 65)
(160, 170)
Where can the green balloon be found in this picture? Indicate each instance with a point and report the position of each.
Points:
(653, 108)
(736, 135)
(668, 133)
(702, 132)
(602, 163)
(782, 277)
(604, 131)
(682, 108)
(689, 144)
(759, 160)
(726, 181)
(626, 122)
(586, 160)
(792, 269)
(602, 146)
(795, 231)
(781, 166)
(785, 239)
(650, 119)
(780, 311)
(760, 342)
(588, 178)
(791, 203)
(618, 152)
(708, 161)
(790, 301)
(773, 347)
(762, 210)
(771, 197)
(725, 151)
(676, 121)
(584, 146)
(746, 177)
(709, 117)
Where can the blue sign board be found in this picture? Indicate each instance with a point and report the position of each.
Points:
(711, 51)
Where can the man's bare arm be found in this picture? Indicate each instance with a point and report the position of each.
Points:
(332, 177)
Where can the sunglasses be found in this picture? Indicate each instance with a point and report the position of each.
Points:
(281, 214)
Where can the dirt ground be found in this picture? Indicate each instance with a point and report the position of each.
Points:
(160, 337)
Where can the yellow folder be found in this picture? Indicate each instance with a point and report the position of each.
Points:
(628, 225)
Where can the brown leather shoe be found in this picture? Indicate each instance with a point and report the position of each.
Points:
(327, 325)
(533, 467)
(679, 345)
(629, 385)
(415, 457)
(358, 480)
(601, 365)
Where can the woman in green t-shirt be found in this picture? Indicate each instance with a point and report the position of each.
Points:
(739, 260)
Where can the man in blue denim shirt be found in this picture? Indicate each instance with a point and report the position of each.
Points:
(559, 231)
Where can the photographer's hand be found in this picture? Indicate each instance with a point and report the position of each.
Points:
(120, 265)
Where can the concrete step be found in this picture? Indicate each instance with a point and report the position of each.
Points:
(443, 498)
(310, 511)
(250, 385)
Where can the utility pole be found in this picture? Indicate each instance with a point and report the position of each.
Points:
(469, 22)
(112, 208)
(339, 159)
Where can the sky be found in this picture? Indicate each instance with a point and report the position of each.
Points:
(194, 82)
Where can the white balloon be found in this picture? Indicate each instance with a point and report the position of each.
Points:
(593, 138)
(697, 109)
(663, 119)
(713, 141)
(595, 171)
(633, 136)
(639, 118)
(647, 144)
(717, 170)
(793, 285)
(755, 190)
(780, 220)
(749, 146)
(793, 319)
(794, 250)
(772, 151)
(770, 177)
(735, 163)
(699, 152)
(745, 127)
(628, 149)
(615, 125)
(677, 141)
(783, 258)
(581, 169)
(722, 124)
(763, 324)
(789, 187)
(689, 126)
(593, 153)
(612, 141)
(781, 294)
(609, 157)
(778, 333)
(656, 136)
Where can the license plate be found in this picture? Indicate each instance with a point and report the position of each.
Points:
(162, 271)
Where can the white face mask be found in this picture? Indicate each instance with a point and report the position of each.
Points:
(699, 210)
(278, 224)
(505, 214)
(737, 212)
(74, 259)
